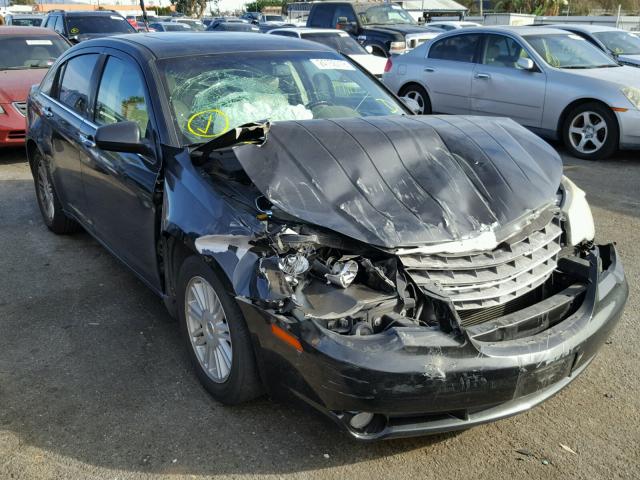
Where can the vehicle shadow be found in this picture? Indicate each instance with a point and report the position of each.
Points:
(93, 369)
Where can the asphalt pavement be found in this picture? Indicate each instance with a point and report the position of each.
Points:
(95, 382)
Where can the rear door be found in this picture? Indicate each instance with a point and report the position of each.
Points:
(501, 88)
(448, 71)
(65, 111)
(120, 187)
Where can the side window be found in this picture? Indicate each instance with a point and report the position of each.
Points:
(76, 83)
(459, 48)
(322, 16)
(121, 95)
(345, 11)
(59, 25)
(47, 82)
(47, 22)
(501, 51)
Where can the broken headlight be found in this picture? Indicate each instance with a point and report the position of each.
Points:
(579, 220)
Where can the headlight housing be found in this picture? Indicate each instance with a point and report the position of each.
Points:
(1, 110)
(633, 95)
(579, 220)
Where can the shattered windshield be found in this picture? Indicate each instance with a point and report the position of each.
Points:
(214, 93)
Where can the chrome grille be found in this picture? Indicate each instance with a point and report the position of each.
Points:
(486, 279)
(21, 107)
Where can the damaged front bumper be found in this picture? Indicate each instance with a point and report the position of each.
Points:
(419, 380)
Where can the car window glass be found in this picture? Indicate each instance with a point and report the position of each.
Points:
(59, 25)
(501, 51)
(459, 48)
(76, 83)
(345, 12)
(121, 95)
(322, 16)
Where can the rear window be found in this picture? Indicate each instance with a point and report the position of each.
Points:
(98, 24)
(31, 52)
(26, 22)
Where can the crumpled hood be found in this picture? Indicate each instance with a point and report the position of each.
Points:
(403, 181)
(15, 84)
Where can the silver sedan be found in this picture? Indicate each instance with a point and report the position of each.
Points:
(551, 81)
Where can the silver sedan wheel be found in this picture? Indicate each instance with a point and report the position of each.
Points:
(588, 132)
(417, 97)
(46, 191)
(208, 329)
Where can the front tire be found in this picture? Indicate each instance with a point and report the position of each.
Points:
(590, 131)
(419, 94)
(50, 207)
(216, 335)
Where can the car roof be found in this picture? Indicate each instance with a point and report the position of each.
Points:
(586, 28)
(26, 31)
(299, 30)
(26, 15)
(517, 30)
(85, 13)
(184, 44)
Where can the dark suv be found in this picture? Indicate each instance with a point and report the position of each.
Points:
(83, 25)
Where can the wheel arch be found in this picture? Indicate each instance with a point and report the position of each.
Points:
(31, 147)
(577, 103)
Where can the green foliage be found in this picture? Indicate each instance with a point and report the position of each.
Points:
(22, 2)
(258, 5)
(561, 7)
(191, 8)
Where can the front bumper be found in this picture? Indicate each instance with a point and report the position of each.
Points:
(419, 380)
(629, 122)
(12, 127)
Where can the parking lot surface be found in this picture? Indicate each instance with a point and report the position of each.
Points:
(95, 382)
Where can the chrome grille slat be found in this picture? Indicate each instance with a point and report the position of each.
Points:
(485, 259)
(486, 279)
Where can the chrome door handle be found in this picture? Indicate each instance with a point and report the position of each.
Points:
(87, 141)
(483, 76)
(429, 69)
(47, 112)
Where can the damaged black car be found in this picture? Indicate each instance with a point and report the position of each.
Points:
(402, 274)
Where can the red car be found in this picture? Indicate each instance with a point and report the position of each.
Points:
(33, 51)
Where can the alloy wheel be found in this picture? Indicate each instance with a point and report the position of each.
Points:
(417, 97)
(208, 329)
(588, 132)
(45, 190)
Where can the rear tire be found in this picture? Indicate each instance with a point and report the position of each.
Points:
(216, 335)
(50, 207)
(419, 94)
(590, 131)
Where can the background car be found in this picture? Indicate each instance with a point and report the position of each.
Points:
(33, 51)
(170, 27)
(624, 46)
(452, 25)
(232, 25)
(195, 24)
(23, 20)
(339, 41)
(252, 17)
(79, 25)
(552, 81)
(386, 27)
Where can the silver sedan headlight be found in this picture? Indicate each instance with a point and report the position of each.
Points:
(633, 95)
(579, 220)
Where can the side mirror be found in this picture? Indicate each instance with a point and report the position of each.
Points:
(344, 24)
(369, 49)
(412, 105)
(121, 137)
(526, 64)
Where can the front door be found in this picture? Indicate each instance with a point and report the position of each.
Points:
(501, 88)
(120, 187)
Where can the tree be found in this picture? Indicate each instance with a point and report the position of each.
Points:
(191, 8)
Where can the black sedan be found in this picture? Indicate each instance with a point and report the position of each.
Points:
(402, 274)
